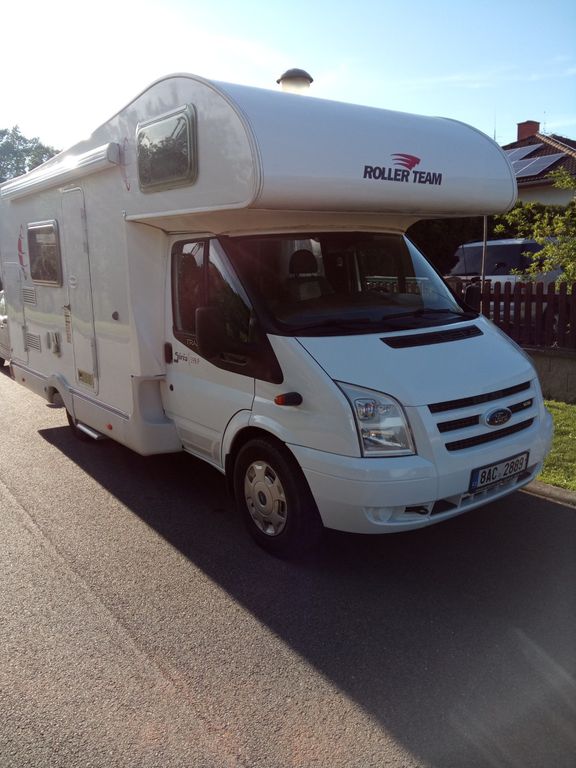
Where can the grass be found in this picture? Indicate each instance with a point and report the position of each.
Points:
(560, 466)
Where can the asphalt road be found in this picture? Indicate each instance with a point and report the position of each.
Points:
(140, 627)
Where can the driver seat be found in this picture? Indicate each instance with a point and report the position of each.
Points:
(304, 282)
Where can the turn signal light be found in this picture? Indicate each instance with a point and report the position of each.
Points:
(289, 398)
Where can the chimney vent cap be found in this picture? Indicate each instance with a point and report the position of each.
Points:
(295, 73)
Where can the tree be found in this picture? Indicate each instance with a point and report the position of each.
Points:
(552, 226)
(19, 154)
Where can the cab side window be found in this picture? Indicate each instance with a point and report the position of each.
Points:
(203, 278)
(188, 288)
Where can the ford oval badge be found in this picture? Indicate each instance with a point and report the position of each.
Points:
(497, 417)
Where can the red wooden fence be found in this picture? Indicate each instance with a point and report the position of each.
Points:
(531, 314)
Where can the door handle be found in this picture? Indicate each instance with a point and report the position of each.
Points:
(230, 357)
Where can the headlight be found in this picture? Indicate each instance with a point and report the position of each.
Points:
(382, 426)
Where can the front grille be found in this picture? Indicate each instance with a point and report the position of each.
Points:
(521, 406)
(472, 421)
(450, 426)
(488, 437)
(463, 423)
(465, 402)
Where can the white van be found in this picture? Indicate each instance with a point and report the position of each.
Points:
(222, 270)
(506, 260)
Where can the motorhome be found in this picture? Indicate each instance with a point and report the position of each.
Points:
(223, 270)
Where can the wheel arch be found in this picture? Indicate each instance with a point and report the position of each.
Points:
(238, 441)
(57, 389)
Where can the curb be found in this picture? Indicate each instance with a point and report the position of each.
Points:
(551, 492)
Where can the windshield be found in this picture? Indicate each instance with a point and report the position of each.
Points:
(341, 282)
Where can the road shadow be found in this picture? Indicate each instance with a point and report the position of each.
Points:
(458, 639)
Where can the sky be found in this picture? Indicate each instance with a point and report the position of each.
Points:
(68, 66)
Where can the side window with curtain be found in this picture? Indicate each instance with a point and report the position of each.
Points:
(44, 252)
(188, 288)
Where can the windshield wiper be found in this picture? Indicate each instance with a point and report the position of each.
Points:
(445, 311)
(353, 324)
(430, 311)
(333, 322)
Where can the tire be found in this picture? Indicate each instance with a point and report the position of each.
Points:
(78, 434)
(274, 499)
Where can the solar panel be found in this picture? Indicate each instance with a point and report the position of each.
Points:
(519, 152)
(519, 165)
(535, 166)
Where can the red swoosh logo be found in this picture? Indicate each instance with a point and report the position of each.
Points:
(406, 161)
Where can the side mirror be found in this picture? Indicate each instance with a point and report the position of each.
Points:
(210, 331)
(472, 297)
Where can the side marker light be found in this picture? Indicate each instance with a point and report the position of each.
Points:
(288, 398)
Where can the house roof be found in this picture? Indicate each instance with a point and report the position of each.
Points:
(535, 156)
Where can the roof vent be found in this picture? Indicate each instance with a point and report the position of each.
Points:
(295, 81)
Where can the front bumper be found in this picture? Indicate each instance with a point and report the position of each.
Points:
(386, 495)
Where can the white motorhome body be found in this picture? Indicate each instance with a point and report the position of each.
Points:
(4, 334)
(221, 269)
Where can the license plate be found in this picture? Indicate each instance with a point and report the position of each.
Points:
(494, 473)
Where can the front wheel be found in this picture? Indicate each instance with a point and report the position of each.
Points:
(274, 499)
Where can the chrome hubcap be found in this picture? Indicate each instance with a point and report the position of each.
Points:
(265, 498)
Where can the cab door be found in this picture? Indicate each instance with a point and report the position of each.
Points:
(201, 396)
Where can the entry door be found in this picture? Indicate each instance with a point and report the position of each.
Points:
(203, 396)
(80, 306)
(13, 280)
